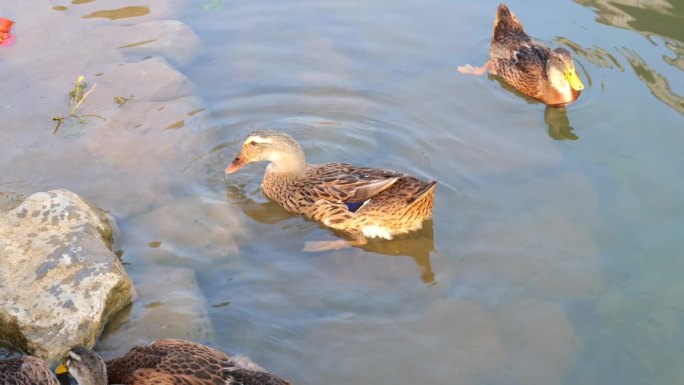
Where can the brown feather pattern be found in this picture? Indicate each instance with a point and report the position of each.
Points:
(396, 202)
(26, 370)
(171, 361)
(521, 61)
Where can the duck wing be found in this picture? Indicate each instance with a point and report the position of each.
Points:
(186, 362)
(26, 370)
(342, 182)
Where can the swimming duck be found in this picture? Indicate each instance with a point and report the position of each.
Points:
(528, 65)
(163, 362)
(360, 202)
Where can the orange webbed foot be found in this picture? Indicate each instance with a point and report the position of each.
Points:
(472, 70)
(317, 246)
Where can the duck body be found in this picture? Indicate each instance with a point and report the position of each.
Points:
(163, 362)
(179, 362)
(360, 202)
(26, 370)
(529, 65)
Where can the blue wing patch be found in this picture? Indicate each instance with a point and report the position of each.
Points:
(354, 206)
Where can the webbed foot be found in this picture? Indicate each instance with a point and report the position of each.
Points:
(316, 246)
(356, 240)
(472, 70)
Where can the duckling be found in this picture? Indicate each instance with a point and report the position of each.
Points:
(528, 65)
(166, 362)
(360, 202)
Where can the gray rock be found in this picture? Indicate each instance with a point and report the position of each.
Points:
(170, 304)
(205, 235)
(60, 281)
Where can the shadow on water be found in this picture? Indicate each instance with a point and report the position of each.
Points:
(658, 18)
(418, 245)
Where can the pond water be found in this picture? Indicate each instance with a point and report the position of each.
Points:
(555, 251)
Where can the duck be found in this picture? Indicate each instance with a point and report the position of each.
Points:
(163, 362)
(529, 65)
(359, 202)
(173, 361)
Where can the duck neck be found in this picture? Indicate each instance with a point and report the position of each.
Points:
(287, 165)
(558, 89)
(281, 174)
(91, 378)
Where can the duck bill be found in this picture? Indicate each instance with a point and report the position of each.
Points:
(574, 80)
(61, 369)
(239, 161)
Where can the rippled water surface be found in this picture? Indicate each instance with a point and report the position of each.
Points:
(555, 252)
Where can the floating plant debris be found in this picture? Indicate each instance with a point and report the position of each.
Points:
(178, 124)
(121, 13)
(191, 113)
(138, 43)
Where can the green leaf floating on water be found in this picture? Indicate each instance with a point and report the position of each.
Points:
(74, 130)
(212, 5)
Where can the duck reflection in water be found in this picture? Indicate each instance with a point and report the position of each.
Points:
(417, 245)
(559, 124)
(556, 118)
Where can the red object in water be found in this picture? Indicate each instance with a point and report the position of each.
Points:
(6, 38)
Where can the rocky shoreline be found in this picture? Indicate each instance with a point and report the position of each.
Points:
(62, 281)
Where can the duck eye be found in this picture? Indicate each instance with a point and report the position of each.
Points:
(252, 143)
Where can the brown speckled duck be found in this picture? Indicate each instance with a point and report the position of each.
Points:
(528, 65)
(163, 362)
(360, 202)
(27, 370)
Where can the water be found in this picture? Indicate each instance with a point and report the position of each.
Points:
(554, 255)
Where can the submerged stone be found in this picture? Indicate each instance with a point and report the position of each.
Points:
(171, 39)
(60, 280)
(170, 304)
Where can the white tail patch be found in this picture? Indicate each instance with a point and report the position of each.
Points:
(245, 363)
(376, 231)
